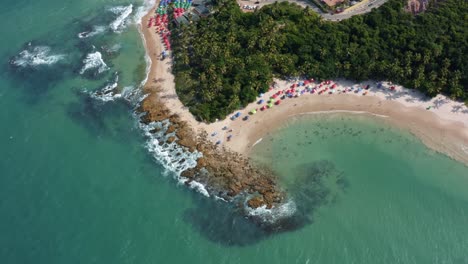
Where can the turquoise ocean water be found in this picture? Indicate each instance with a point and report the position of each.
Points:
(77, 184)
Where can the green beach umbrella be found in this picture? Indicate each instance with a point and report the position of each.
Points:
(270, 105)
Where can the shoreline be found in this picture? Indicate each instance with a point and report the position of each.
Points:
(444, 128)
(444, 135)
(225, 174)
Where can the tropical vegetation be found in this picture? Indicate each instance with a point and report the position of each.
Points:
(224, 61)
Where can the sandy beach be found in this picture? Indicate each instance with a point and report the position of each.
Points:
(443, 127)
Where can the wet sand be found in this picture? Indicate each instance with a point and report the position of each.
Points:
(443, 128)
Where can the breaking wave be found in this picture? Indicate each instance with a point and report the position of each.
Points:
(96, 31)
(94, 61)
(34, 56)
(122, 13)
(143, 10)
(109, 92)
(273, 215)
(172, 156)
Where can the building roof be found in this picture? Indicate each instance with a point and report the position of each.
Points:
(202, 10)
(193, 16)
(181, 20)
(198, 2)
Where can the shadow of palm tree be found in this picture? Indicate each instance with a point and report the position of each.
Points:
(439, 102)
(394, 95)
(457, 108)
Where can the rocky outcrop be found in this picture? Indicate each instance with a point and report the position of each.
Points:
(225, 173)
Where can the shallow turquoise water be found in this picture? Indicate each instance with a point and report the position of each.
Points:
(386, 197)
(78, 186)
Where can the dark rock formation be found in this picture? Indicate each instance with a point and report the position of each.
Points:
(225, 173)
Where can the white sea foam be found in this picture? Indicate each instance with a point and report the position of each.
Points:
(194, 185)
(96, 31)
(256, 142)
(143, 10)
(114, 48)
(464, 148)
(147, 60)
(274, 214)
(172, 156)
(35, 56)
(94, 61)
(122, 13)
(108, 92)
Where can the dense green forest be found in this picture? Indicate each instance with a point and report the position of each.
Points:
(222, 62)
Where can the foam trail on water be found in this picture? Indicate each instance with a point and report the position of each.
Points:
(94, 61)
(96, 31)
(122, 13)
(256, 142)
(143, 10)
(34, 56)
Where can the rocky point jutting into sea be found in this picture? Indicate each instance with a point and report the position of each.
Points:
(225, 174)
(225, 171)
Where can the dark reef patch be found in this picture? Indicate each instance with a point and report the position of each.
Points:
(101, 119)
(34, 78)
(317, 184)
